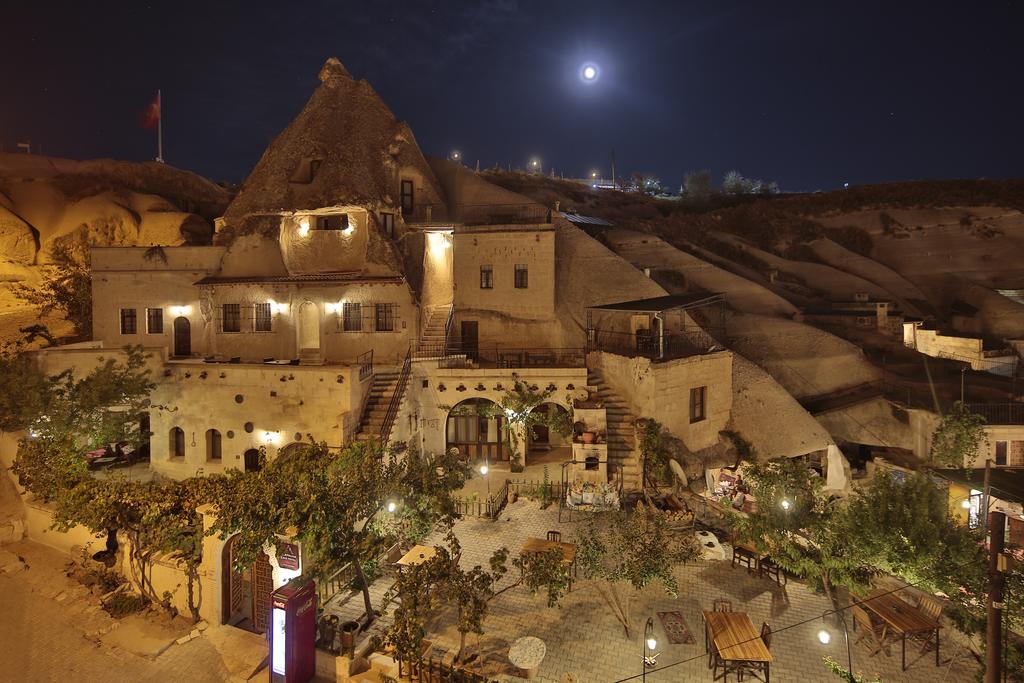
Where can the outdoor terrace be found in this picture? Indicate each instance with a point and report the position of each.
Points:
(478, 214)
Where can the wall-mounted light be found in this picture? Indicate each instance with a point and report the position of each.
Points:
(333, 307)
(271, 437)
(276, 308)
(438, 242)
(303, 226)
(181, 310)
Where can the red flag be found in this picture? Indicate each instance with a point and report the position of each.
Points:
(151, 116)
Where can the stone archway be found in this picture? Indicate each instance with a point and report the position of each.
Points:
(477, 436)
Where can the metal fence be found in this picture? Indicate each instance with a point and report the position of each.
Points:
(669, 346)
(336, 583)
(488, 507)
(365, 362)
(432, 670)
(546, 492)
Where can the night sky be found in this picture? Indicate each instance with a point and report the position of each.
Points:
(809, 94)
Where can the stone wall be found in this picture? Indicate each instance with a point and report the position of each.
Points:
(661, 391)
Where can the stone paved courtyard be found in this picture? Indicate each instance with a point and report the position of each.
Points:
(584, 638)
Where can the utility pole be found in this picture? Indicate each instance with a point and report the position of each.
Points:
(996, 582)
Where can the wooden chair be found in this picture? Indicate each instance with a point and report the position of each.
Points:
(876, 633)
(766, 635)
(773, 571)
(722, 605)
(744, 557)
(555, 536)
(930, 607)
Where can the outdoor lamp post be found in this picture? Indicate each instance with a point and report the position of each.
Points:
(484, 469)
(786, 505)
(650, 643)
(824, 637)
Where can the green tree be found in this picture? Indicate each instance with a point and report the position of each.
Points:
(66, 287)
(657, 446)
(441, 583)
(801, 529)
(697, 186)
(957, 441)
(67, 416)
(332, 499)
(159, 520)
(632, 551)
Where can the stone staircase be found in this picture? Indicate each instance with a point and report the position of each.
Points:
(622, 447)
(385, 384)
(432, 338)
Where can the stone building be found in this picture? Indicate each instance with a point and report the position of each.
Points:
(356, 289)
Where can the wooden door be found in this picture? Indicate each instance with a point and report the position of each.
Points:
(262, 587)
(252, 460)
(471, 339)
(182, 337)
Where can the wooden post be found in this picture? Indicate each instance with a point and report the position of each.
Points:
(996, 581)
(984, 497)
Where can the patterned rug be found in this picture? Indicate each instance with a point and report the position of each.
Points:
(676, 628)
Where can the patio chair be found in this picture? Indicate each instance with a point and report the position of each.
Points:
(722, 605)
(744, 557)
(875, 633)
(555, 536)
(766, 635)
(930, 607)
(773, 571)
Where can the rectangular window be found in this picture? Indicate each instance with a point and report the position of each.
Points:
(1001, 452)
(263, 318)
(486, 277)
(385, 316)
(1016, 458)
(128, 323)
(388, 223)
(155, 320)
(337, 221)
(408, 203)
(698, 403)
(522, 276)
(352, 317)
(232, 318)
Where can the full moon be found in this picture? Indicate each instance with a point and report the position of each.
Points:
(589, 72)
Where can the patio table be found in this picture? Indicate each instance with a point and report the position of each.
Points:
(417, 555)
(737, 641)
(542, 545)
(902, 618)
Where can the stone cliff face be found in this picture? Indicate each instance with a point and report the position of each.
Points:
(47, 202)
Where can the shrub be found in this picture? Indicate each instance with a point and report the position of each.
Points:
(123, 604)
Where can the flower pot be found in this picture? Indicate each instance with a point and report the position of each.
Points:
(349, 629)
(588, 437)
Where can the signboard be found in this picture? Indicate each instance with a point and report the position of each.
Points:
(288, 556)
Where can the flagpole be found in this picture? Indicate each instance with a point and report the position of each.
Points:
(159, 127)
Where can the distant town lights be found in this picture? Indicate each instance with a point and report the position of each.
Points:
(590, 72)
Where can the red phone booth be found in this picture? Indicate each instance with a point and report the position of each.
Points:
(293, 632)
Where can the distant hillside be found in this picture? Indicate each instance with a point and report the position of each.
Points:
(928, 245)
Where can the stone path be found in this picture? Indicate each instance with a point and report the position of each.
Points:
(582, 636)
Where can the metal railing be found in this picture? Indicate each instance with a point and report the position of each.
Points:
(430, 670)
(488, 507)
(999, 413)
(669, 346)
(396, 399)
(365, 362)
(480, 214)
(336, 583)
(452, 356)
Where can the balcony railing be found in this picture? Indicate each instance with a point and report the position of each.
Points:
(479, 214)
(452, 356)
(669, 346)
(999, 413)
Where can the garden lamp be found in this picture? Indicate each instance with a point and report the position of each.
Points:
(825, 637)
(650, 643)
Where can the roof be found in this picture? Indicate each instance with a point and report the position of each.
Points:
(1006, 483)
(663, 303)
(310, 277)
(358, 142)
(577, 219)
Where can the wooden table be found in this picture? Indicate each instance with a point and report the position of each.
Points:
(418, 555)
(542, 545)
(736, 640)
(902, 618)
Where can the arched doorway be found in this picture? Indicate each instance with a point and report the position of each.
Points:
(309, 326)
(182, 336)
(252, 460)
(475, 429)
(546, 444)
(291, 449)
(245, 595)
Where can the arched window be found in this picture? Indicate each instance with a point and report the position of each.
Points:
(212, 444)
(176, 443)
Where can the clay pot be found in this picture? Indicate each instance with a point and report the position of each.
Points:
(588, 437)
